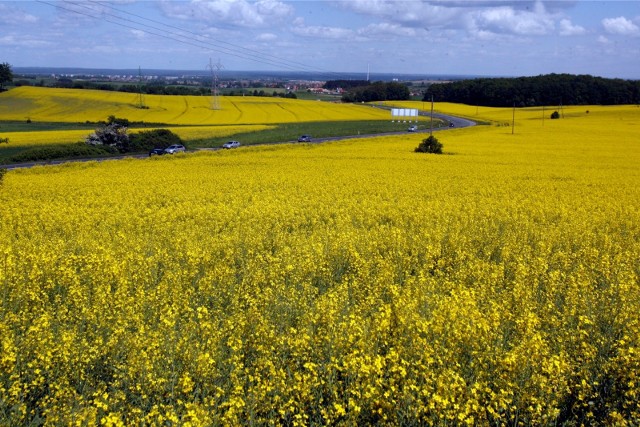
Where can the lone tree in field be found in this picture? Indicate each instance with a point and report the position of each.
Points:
(430, 145)
(6, 75)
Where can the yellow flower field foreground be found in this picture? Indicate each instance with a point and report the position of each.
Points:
(78, 106)
(346, 283)
(187, 133)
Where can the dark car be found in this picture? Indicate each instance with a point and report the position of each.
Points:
(451, 124)
(305, 138)
(156, 152)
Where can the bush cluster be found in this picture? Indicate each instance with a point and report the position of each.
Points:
(156, 138)
(430, 145)
(67, 151)
(114, 134)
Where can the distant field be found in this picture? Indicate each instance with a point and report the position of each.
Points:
(79, 106)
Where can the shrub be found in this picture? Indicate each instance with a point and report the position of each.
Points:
(555, 115)
(118, 121)
(156, 138)
(69, 151)
(430, 145)
(4, 140)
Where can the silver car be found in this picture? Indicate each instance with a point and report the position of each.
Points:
(231, 144)
(175, 148)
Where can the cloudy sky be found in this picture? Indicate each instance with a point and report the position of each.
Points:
(492, 37)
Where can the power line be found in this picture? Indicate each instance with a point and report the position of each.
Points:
(210, 40)
(167, 34)
(188, 41)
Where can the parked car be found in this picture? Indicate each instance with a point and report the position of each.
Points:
(413, 128)
(451, 124)
(157, 152)
(231, 144)
(305, 138)
(175, 148)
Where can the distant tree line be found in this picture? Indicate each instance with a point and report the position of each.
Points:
(550, 89)
(377, 91)
(344, 84)
(153, 88)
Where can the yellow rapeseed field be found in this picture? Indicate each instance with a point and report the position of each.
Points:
(78, 106)
(345, 283)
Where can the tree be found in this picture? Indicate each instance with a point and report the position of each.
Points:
(430, 145)
(551, 89)
(112, 135)
(6, 75)
(377, 91)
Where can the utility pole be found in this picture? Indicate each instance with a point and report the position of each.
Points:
(215, 101)
(140, 97)
(431, 125)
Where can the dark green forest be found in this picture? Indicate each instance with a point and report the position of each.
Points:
(550, 89)
(344, 84)
(377, 91)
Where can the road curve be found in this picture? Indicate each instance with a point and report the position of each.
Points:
(458, 122)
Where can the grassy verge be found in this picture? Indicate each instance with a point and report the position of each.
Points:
(291, 132)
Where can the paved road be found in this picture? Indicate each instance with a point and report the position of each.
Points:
(457, 122)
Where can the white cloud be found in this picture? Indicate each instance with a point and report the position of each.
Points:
(10, 15)
(568, 29)
(23, 42)
(229, 13)
(266, 37)
(408, 13)
(603, 40)
(393, 30)
(515, 17)
(138, 34)
(322, 32)
(621, 26)
(506, 19)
